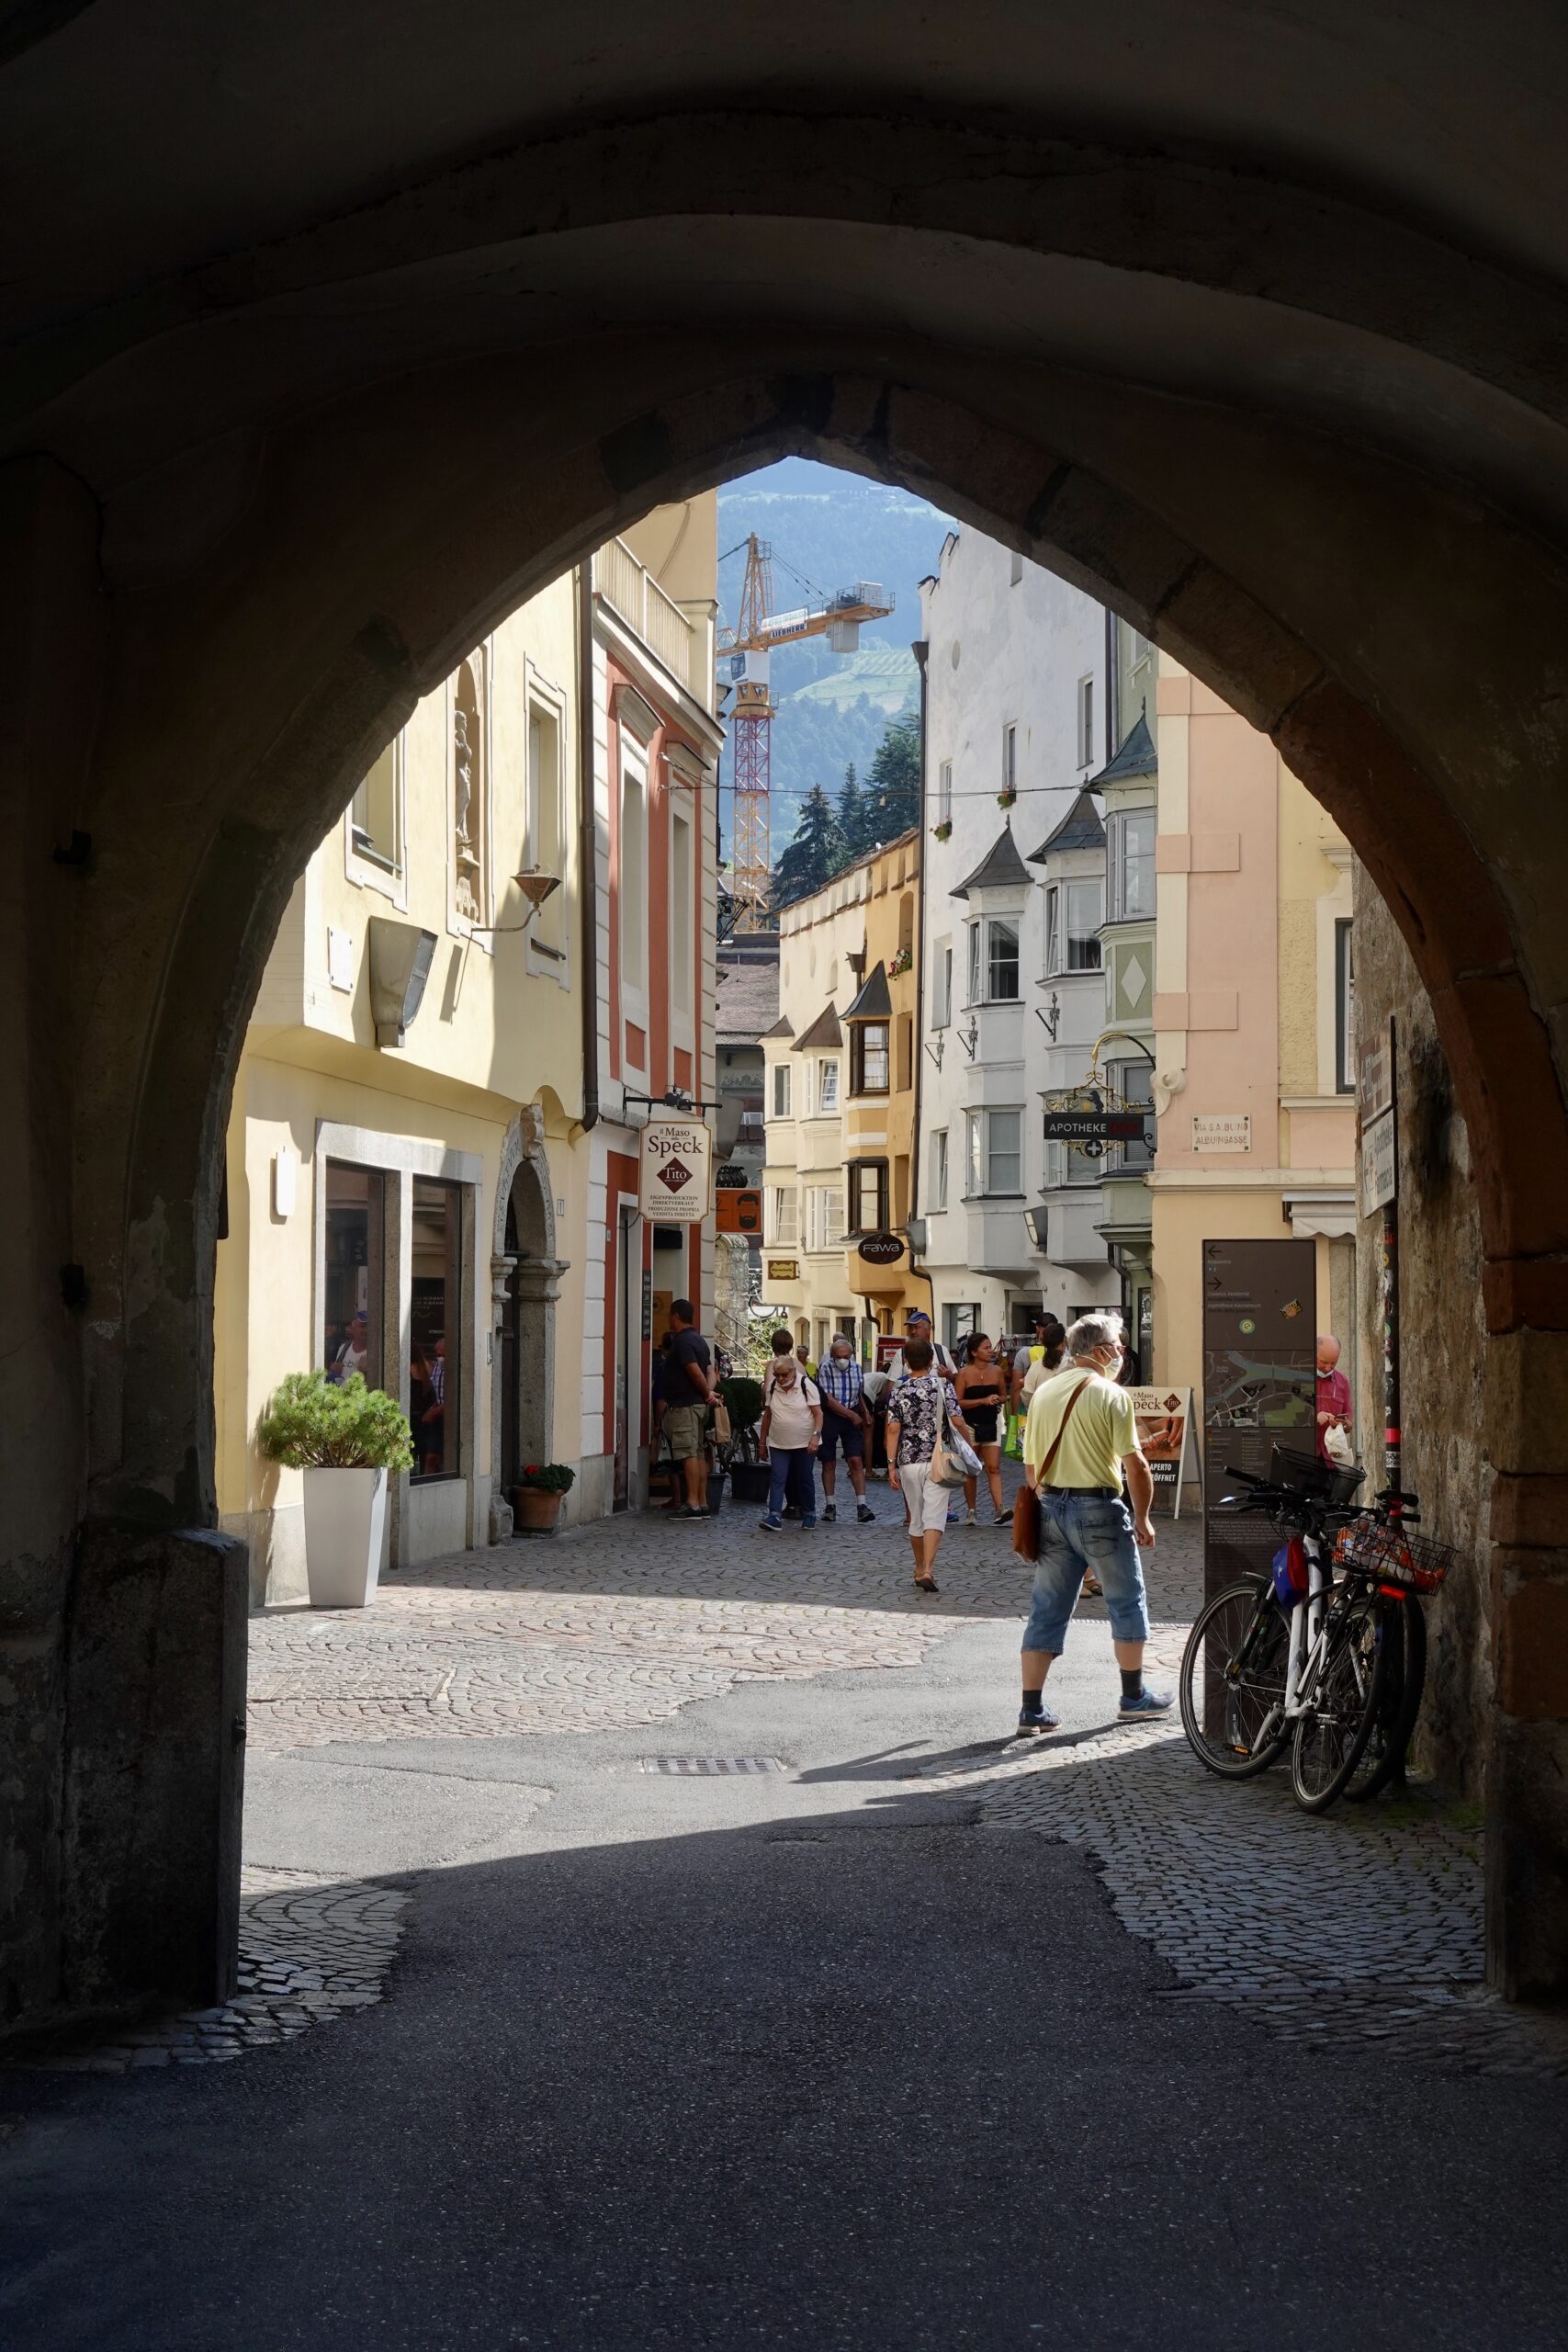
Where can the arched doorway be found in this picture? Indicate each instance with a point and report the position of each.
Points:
(527, 1287)
(1281, 383)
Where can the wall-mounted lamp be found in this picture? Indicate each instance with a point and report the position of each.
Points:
(969, 1038)
(1050, 1019)
(935, 1050)
(536, 885)
(400, 955)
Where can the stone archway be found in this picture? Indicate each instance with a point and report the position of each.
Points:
(1281, 383)
(526, 1287)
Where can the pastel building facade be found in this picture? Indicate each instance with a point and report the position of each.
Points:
(420, 1135)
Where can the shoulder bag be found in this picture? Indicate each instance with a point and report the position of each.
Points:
(945, 1469)
(1026, 1505)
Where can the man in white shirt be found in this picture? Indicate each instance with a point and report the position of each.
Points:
(791, 1430)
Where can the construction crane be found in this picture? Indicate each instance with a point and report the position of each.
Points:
(743, 667)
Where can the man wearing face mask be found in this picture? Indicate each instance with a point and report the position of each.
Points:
(791, 1430)
(1082, 1456)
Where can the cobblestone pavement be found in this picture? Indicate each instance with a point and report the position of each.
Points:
(308, 1953)
(626, 1622)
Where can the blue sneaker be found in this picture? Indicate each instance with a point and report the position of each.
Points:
(1147, 1703)
(809, 1520)
(770, 1525)
(1034, 1720)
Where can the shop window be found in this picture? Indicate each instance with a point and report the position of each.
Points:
(354, 1272)
(869, 1070)
(868, 1195)
(435, 1328)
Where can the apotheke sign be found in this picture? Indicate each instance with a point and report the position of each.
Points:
(674, 1162)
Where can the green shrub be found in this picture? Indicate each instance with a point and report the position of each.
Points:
(548, 1477)
(743, 1400)
(311, 1424)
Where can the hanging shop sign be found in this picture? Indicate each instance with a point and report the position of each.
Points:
(1167, 1437)
(673, 1171)
(1094, 1127)
(731, 1178)
(738, 1211)
(783, 1270)
(881, 1249)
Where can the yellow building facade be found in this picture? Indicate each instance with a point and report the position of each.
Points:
(412, 1174)
(841, 1107)
(1252, 1019)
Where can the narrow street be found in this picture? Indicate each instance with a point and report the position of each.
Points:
(913, 2037)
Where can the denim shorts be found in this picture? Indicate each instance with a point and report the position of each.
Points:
(1078, 1532)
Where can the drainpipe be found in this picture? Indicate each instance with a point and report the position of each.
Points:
(918, 1274)
(587, 844)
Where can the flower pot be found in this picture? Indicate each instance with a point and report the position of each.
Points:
(536, 1510)
(345, 1523)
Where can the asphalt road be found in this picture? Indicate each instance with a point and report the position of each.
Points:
(806, 2061)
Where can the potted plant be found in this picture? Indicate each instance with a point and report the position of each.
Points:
(902, 962)
(1006, 799)
(747, 1476)
(943, 831)
(537, 1495)
(346, 1437)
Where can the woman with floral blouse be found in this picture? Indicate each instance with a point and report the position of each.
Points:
(915, 1412)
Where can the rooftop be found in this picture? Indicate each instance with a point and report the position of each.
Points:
(748, 999)
(1081, 828)
(1001, 868)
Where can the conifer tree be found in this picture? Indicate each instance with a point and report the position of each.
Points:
(815, 854)
(893, 788)
(852, 816)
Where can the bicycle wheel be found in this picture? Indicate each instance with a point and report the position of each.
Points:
(1404, 1624)
(1341, 1705)
(1232, 1682)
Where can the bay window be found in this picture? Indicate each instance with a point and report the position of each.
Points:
(996, 1154)
(993, 961)
(868, 1057)
(868, 1195)
(1132, 835)
(1073, 917)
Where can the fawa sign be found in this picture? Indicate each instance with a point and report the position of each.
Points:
(675, 1163)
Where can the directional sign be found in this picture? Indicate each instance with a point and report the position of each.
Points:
(1094, 1127)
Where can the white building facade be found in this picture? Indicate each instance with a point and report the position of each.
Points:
(1019, 676)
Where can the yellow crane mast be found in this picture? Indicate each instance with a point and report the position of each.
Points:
(743, 672)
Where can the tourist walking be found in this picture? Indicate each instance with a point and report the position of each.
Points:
(979, 1390)
(917, 1414)
(918, 1327)
(846, 1419)
(791, 1433)
(688, 1406)
(1082, 1457)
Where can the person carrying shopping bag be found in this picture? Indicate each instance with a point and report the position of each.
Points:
(919, 1417)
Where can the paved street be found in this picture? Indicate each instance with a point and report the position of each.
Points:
(895, 2032)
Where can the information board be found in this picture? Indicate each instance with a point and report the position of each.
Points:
(1164, 1417)
(1259, 1384)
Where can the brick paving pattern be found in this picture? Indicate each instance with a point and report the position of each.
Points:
(308, 1953)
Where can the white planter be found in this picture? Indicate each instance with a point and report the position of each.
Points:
(345, 1520)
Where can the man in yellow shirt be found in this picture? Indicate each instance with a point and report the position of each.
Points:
(1081, 1443)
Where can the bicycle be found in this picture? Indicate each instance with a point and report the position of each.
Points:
(1340, 1676)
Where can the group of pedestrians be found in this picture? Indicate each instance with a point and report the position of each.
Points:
(1083, 1466)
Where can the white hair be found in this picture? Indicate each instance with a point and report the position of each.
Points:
(1092, 1333)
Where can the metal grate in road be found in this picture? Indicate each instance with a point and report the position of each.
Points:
(709, 1764)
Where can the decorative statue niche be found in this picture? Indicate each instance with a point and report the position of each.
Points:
(469, 790)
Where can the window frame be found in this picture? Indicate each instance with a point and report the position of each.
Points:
(784, 1232)
(983, 1153)
(1085, 719)
(1132, 1159)
(941, 984)
(364, 864)
(859, 1035)
(548, 937)
(631, 906)
(1010, 755)
(944, 793)
(454, 1281)
(828, 1086)
(1116, 863)
(940, 1165)
(983, 959)
(782, 1072)
(1344, 1004)
(878, 1170)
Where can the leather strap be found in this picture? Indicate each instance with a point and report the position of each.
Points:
(1062, 1431)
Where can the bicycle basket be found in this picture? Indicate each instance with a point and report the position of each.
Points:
(1394, 1554)
(1323, 1480)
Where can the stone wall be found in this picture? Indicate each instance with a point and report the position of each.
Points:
(1442, 1348)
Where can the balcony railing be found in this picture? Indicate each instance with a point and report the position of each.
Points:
(630, 589)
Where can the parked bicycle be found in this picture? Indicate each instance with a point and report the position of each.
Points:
(1328, 1652)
